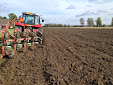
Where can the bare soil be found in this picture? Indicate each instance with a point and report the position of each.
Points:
(69, 57)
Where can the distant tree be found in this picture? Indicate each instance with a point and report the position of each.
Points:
(55, 25)
(50, 25)
(90, 22)
(112, 23)
(60, 25)
(99, 22)
(104, 25)
(69, 25)
(12, 16)
(75, 26)
(94, 25)
(4, 18)
(0, 17)
(82, 22)
(65, 25)
(46, 25)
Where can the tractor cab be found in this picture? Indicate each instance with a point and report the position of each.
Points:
(28, 21)
(30, 18)
(28, 25)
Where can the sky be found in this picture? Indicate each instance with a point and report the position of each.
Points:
(61, 11)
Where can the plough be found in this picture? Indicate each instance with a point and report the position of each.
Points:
(27, 32)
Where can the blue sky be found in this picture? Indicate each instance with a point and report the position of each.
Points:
(61, 11)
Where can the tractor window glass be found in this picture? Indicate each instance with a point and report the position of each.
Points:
(23, 17)
(0, 27)
(36, 19)
(29, 19)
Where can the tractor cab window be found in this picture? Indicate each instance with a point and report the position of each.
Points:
(29, 19)
(23, 17)
(36, 19)
(0, 27)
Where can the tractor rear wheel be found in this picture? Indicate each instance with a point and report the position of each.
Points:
(40, 35)
(19, 34)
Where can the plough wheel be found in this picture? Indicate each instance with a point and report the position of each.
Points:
(9, 53)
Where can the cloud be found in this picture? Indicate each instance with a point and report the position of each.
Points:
(71, 7)
(102, 11)
(110, 14)
(96, 0)
(101, 1)
(86, 13)
(88, 6)
(3, 7)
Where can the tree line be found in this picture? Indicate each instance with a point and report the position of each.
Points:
(56, 25)
(90, 22)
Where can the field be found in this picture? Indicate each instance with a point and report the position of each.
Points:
(70, 56)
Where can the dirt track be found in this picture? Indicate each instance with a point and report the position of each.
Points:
(69, 57)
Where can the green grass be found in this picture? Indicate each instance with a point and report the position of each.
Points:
(10, 30)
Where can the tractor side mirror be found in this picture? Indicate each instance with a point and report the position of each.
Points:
(42, 20)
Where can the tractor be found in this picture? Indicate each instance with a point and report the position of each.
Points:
(29, 23)
(27, 33)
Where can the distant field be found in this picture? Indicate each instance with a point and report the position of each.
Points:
(84, 27)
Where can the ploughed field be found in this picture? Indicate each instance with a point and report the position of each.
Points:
(69, 57)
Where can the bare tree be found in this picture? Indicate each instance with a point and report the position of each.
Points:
(82, 21)
(90, 22)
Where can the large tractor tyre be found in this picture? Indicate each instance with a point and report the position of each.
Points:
(43, 40)
(40, 35)
(19, 34)
(40, 32)
(18, 27)
(30, 33)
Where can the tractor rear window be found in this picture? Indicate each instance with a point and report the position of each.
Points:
(36, 19)
(29, 19)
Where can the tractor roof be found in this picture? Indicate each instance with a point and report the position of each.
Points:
(29, 13)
